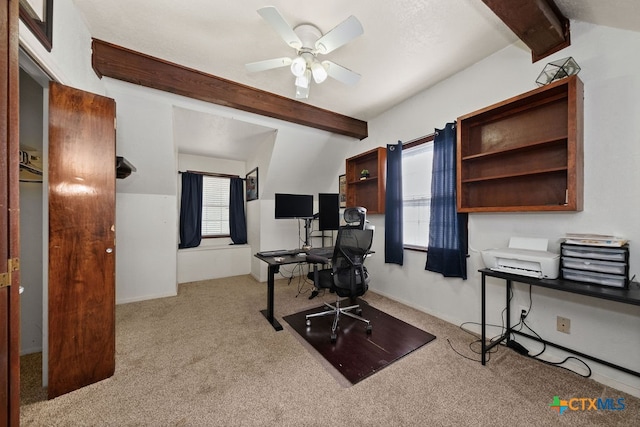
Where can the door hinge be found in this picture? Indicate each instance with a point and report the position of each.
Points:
(5, 280)
(13, 264)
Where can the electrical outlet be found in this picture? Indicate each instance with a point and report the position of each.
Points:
(523, 311)
(564, 325)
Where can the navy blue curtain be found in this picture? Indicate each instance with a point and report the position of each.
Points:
(447, 250)
(191, 210)
(237, 221)
(393, 245)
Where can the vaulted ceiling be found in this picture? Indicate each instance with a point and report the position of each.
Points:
(407, 45)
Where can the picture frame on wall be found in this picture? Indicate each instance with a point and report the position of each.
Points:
(251, 185)
(37, 15)
(342, 190)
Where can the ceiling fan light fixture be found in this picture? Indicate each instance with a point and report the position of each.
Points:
(308, 41)
(304, 80)
(298, 66)
(302, 92)
(319, 72)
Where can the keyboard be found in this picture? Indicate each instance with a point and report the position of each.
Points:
(278, 252)
(325, 252)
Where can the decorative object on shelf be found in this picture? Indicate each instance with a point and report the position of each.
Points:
(251, 180)
(557, 70)
(364, 174)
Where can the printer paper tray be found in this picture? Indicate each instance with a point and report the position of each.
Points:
(518, 271)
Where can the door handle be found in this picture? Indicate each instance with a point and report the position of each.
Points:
(109, 250)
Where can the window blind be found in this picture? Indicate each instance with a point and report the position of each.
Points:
(416, 193)
(215, 206)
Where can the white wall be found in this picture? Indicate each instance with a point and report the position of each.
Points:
(256, 208)
(146, 214)
(611, 148)
(145, 247)
(213, 262)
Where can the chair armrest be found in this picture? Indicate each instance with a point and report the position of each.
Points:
(317, 259)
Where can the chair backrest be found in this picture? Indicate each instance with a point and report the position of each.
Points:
(352, 245)
(356, 217)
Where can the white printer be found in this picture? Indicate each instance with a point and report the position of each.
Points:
(525, 256)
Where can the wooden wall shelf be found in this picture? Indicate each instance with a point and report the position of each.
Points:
(368, 192)
(525, 153)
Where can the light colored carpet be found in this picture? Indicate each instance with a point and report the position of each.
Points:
(209, 358)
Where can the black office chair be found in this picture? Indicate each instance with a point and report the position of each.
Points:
(347, 276)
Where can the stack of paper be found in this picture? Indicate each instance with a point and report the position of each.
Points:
(595, 240)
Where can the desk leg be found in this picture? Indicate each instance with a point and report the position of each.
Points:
(268, 313)
(508, 305)
(483, 344)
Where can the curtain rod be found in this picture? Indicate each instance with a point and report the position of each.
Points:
(421, 139)
(219, 175)
(418, 141)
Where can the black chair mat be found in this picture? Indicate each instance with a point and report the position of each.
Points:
(356, 354)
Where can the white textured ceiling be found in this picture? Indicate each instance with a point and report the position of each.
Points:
(407, 45)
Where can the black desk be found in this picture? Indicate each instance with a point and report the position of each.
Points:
(273, 269)
(625, 296)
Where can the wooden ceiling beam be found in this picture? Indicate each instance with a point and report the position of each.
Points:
(538, 23)
(127, 65)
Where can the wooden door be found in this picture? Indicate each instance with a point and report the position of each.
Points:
(9, 218)
(81, 239)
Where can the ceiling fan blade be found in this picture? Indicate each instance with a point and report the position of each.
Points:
(342, 34)
(340, 73)
(284, 30)
(267, 64)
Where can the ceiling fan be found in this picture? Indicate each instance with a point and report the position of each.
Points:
(309, 42)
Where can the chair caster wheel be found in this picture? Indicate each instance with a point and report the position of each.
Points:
(368, 329)
(359, 312)
(334, 338)
(308, 322)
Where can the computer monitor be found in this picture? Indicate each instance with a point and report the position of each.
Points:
(328, 211)
(293, 205)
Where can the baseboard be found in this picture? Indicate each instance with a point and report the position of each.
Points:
(31, 350)
(145, 298)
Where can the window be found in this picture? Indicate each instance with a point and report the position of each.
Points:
(416, 193)
(215, 206)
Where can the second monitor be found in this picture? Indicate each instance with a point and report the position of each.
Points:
(328, 211)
